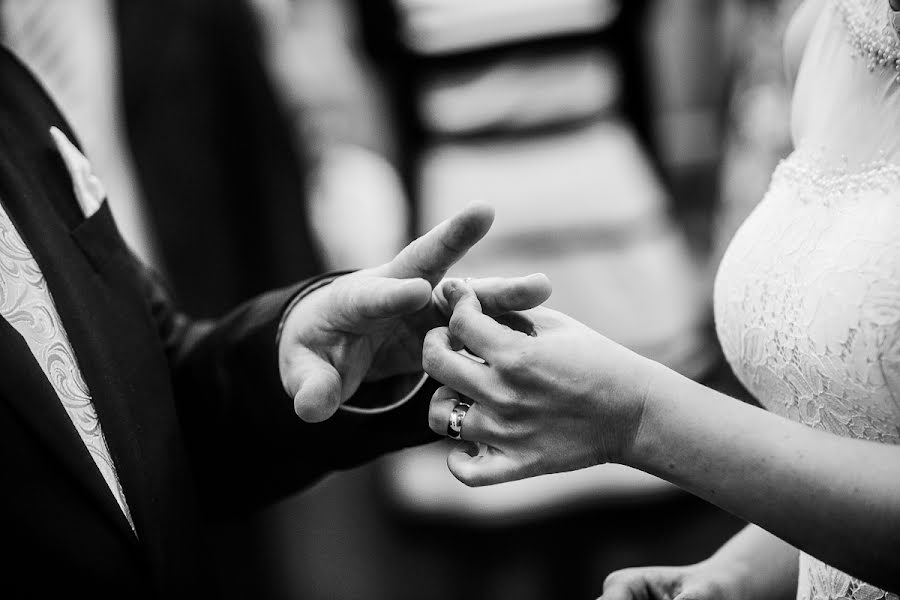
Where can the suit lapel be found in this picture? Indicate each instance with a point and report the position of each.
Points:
(25, 386)
(37, 191)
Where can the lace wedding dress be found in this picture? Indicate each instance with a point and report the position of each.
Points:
(808, 294)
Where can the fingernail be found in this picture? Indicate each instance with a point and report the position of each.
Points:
(452, 287)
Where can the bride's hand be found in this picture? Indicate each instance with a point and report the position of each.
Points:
(707, 580)
(552, 395)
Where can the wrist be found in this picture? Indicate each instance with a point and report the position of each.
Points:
(648, 424)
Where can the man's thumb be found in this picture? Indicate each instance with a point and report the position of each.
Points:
(318, 386)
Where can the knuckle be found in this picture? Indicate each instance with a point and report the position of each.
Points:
(430, 340)
(429, 357)
(432, 348)
(620, 577)
(434, 419)
(504, 411)
(513, 361)
(457, 325)
(515, 431)
(432, 336)
(435, 337)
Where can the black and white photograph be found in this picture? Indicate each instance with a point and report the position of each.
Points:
(450, 299)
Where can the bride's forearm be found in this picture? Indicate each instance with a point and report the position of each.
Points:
(835, 498)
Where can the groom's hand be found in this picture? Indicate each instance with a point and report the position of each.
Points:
(371, 324)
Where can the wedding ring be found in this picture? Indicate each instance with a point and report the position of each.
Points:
(454, 427)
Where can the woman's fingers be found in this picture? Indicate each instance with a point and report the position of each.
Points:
(499, 295)
(476, 425)
(619, 586)
(653, 583)
(441, 362)
(477, 461)
(487, 467)
(476, 331)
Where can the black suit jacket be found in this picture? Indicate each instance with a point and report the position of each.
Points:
(193, 412)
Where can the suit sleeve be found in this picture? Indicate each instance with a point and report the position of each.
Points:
(246, 445)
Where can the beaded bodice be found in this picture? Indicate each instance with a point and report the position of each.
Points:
(807, 298)
(872, 30)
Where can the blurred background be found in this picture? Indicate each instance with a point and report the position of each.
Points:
(247, 144)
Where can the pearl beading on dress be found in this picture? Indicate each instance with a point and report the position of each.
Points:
(872, 36)
(805, 173)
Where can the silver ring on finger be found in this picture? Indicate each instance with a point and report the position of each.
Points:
(454, 426)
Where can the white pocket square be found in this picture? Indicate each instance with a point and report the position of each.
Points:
(88, 188)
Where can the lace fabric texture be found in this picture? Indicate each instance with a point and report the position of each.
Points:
(807, 306)
(807, 298)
